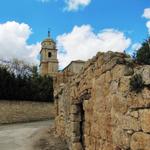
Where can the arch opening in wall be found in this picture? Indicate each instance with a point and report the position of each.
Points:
(49, 54)
(82, 123)
(86, 95)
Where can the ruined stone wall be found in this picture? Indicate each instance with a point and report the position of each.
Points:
(96, 110)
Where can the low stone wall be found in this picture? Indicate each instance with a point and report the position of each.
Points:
(96, 109)
(25, 111)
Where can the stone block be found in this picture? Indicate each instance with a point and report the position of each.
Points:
(108, 77)
(110, 64)
(146, 74)
(75, 126)
(106, 146)
(117, 72)
(134, 114)
(136, 101)
(124, 84)
(129, 123)
(75, 117)
(74, 109)
(76, 146)
(119, 104)
(114, 86)
(128, 71)
(74, 134)
(103, 127)
(121, 138)
(86, 140)
(145, 120)
(87, 128)
(75, 139)
(130, 132)
(146, 93)
(140, 141)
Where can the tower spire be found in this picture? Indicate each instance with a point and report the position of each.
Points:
(49, 32)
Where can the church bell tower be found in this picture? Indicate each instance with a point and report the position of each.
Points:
(48, 57)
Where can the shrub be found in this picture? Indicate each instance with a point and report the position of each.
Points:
(136, 83)
(143, 54)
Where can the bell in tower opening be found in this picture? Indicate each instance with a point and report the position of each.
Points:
(48, 57)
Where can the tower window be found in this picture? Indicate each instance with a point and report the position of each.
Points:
(49, 54)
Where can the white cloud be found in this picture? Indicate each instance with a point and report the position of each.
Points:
(148, 26)
(136, 46)
(73, 5)
(83, 43)
(146, 15)
(13, 42)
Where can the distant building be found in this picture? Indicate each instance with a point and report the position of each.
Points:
(49, 63)
(48, 58)
(74, 67)
(69, 71)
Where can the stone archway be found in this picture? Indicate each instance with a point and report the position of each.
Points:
(82, 123)
(77, 118)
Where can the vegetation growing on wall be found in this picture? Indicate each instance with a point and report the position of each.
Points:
(143, 54)
(136, 83)
(20, 81)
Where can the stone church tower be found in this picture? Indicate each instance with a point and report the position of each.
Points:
(48, 60)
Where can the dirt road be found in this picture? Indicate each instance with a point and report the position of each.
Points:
(17, 136)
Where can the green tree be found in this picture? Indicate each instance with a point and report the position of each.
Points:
(19, 84)
(143, 54)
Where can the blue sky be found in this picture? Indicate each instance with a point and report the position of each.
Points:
(62, 16)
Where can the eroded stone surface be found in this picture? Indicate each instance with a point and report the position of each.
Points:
(97, 110)
(145, 120)
(146, 74)
(140, 141)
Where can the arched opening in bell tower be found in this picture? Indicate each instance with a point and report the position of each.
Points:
(49, 54)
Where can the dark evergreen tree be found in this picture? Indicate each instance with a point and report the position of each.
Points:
(25, 85)
(143, 54)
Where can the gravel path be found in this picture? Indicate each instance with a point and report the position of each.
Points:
(17, 136)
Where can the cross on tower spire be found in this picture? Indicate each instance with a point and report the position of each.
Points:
(49, 32)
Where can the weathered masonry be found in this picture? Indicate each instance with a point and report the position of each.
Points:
(25, 111)
(96, 109)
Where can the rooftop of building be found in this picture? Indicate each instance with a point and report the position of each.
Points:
(74, 61)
